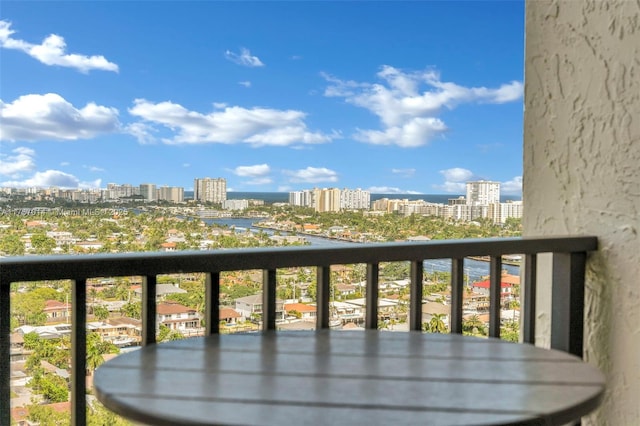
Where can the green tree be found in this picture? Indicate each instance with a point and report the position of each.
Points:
(11, 245)
(132, 310)
(44, 415)
(100, 313)
(42, 244)
(436, 324)
(165, 334)
(96, 348)
(474, 326)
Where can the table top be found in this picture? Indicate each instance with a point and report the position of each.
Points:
(347, 377)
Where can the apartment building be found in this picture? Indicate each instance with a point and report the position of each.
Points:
(172, 194)
(213, 190)
(355, 199)
(500, 212)
(483, 192)
(148, 192)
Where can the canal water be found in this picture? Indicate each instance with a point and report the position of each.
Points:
(474, 270)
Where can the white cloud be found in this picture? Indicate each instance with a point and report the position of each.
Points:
(244, 58)
(312, 175)
(17, 163)
(258, 173)
(229, 125)
(408, 104)
(142, 132)
(512, 187)
(455, 180)
(52, 52)
(53, 178)
(457, 174)
(390, 190)
(404, 172)
(65, 163)
(245, 83)
(93, 168)
(50, 116)
(252, 171)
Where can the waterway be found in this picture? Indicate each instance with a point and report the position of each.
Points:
(474, 270)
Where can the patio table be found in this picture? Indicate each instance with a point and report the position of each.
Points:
(347, 377)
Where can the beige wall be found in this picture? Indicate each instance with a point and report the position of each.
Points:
(582, 170)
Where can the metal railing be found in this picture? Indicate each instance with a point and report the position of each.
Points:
(569, 256)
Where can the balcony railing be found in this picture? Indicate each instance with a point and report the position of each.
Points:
(569, 256)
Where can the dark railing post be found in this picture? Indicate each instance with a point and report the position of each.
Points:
(323, 314)
(212, 303)
(495, 293)
(415, 295)
(79, 352)
(269, 282)
(528, 313)
(149, 309)
(567, 302)
(457, 290)
(371, 316)
(5, 351)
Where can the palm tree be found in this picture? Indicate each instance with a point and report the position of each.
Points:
(436, 324)
(474, 326)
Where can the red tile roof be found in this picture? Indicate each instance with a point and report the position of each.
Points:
(172, 308)
(300, 307)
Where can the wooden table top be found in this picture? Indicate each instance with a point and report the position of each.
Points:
(347, 377)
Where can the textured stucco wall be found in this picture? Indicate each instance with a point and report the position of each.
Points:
(582, 170)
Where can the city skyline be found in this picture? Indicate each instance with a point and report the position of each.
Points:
(397, 97)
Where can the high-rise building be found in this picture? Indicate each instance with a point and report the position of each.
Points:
(210, 190)
(483, 193)
(500, 212)
(302, 198)
(327, 199)
(148, 192)
(115, 191)
(172, 194)
(355, 199)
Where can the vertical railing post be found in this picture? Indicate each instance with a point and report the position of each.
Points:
(269, 283)
(457, 284)
(323, 293)
(212, 303)
(79, 352)
(495, 293)
(415, 295)
(567, 302)
(149, 309)
(528, 287)
(371, 316)
(5, 351)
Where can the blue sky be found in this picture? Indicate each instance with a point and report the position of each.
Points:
(406, 97)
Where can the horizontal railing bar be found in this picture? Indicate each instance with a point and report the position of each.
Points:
(34, 268)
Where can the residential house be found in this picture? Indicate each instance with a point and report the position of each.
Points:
(162, 291)
(229, 315)
(305, 311)
(178, 317)
(250, 307)
(57, 311)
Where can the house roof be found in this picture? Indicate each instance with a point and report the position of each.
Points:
(300, 307)
(228, 313)
(486, 284)
(54, 305)
(435, 308)
(172, 308)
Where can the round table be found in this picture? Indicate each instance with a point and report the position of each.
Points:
(347, 377)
